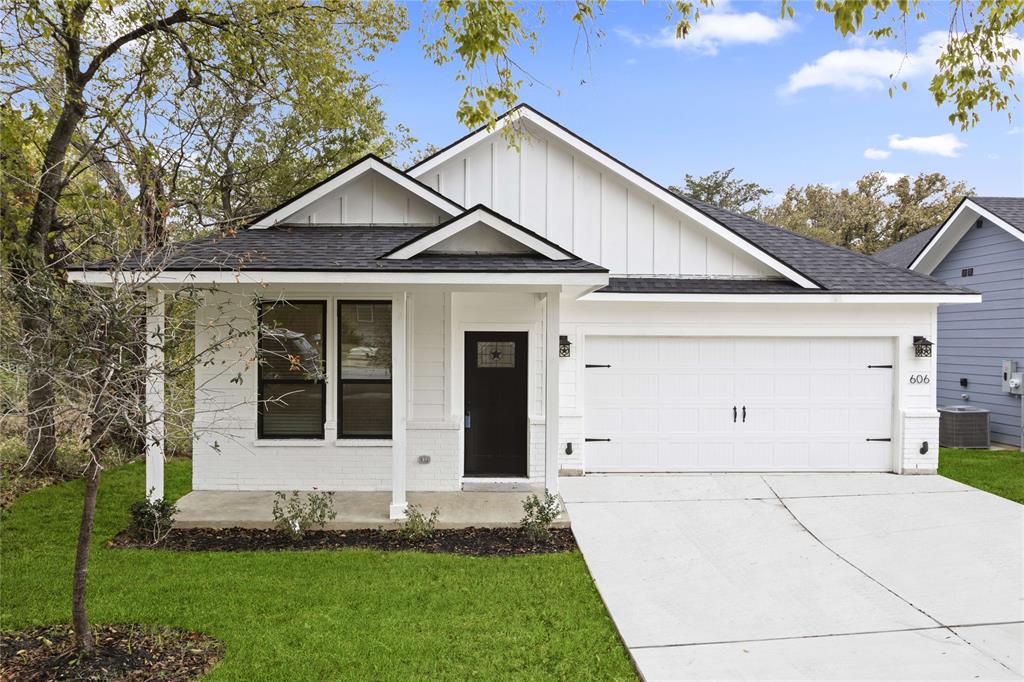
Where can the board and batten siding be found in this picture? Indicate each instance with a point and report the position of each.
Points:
(370, 199)
(975, 338)
(550, 189)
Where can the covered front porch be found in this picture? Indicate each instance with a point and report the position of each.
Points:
(424, 459)
(459, 509)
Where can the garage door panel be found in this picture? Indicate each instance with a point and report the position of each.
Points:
(639, 385)
(678, 352)
(793, 386)
(679, 419)
(676, 385)
(717, 385)
(667, 404)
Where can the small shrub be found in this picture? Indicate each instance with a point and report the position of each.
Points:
(294, 517)
(151, 519)
(418, 526)
(539, 513)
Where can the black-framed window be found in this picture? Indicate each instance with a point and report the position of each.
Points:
(364, 369)
(292, 390)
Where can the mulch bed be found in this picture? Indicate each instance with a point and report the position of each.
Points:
(123, 652)
(468, 541)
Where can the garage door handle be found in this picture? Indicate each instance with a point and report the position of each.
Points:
(744, 414)
(733, 414)
(597, 440)
(589, 366)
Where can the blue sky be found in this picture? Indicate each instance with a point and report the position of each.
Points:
(785, 103)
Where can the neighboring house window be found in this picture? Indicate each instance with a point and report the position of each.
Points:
(364, 361)
(292, 390)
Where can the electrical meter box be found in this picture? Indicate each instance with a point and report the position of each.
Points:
(1013, 379)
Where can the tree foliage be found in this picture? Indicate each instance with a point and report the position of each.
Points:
(873, 213)
(975, 69)
(870, 216)
(719, 188)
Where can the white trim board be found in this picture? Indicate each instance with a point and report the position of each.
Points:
(603, 159)
(354, 171)
(952, 231)
(479, 216)
(784, 298)
(299, 277)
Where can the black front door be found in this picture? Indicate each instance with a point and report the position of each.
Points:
(496, 424)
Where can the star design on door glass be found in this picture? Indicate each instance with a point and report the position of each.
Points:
(495, 354)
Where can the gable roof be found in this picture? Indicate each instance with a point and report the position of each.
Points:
(367, 163)
(606, 160)
(333, 248)
(902, 254)
(1006, 213)
(476, 215)
(835, 268)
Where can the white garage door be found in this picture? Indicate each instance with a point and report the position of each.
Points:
(737, 404)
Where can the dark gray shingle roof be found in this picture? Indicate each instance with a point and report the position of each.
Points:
(833, 268)
(902, 254)
(1010, 209)
(336, 248)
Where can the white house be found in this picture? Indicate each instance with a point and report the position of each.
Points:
(499, 315)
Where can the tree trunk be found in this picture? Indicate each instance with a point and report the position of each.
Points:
(79, 617)
(30, 270)
(41, 432)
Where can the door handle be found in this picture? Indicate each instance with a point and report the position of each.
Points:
(744, 414)
(467, 420)
(733, 414)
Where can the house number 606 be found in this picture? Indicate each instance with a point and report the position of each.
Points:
(920, 379)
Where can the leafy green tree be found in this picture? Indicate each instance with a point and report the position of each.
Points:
(160, 98)
(872, 215)
(719, 188)
(975, 69)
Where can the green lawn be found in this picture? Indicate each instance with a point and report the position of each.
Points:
(998, 471)
(350, 614)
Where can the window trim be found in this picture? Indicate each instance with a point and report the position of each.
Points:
(260, 435)
(341, 436)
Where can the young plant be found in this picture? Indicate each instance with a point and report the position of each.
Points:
(294, 517)
(151, 519)
(538, 516)
(417, 526)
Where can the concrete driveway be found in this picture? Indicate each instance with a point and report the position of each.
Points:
(806, 576)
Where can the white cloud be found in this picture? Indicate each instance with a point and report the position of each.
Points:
(860, 68)
(1015, 130)
(948, 144)
(866, 68)
(714, 30)
(872, 153)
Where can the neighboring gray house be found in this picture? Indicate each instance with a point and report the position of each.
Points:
(981, 247)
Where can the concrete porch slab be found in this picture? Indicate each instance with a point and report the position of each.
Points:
(254, 509)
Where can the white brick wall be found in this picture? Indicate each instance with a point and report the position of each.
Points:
(440, 442)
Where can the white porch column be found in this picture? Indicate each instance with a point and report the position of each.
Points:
(154, 394)
(399, 406)
(551, 328)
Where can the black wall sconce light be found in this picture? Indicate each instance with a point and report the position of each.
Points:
(922, 347)
(564, 346)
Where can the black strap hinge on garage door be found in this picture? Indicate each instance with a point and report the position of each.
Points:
(880, 440)
(879, 366)
(589, 366)
(597, 440)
